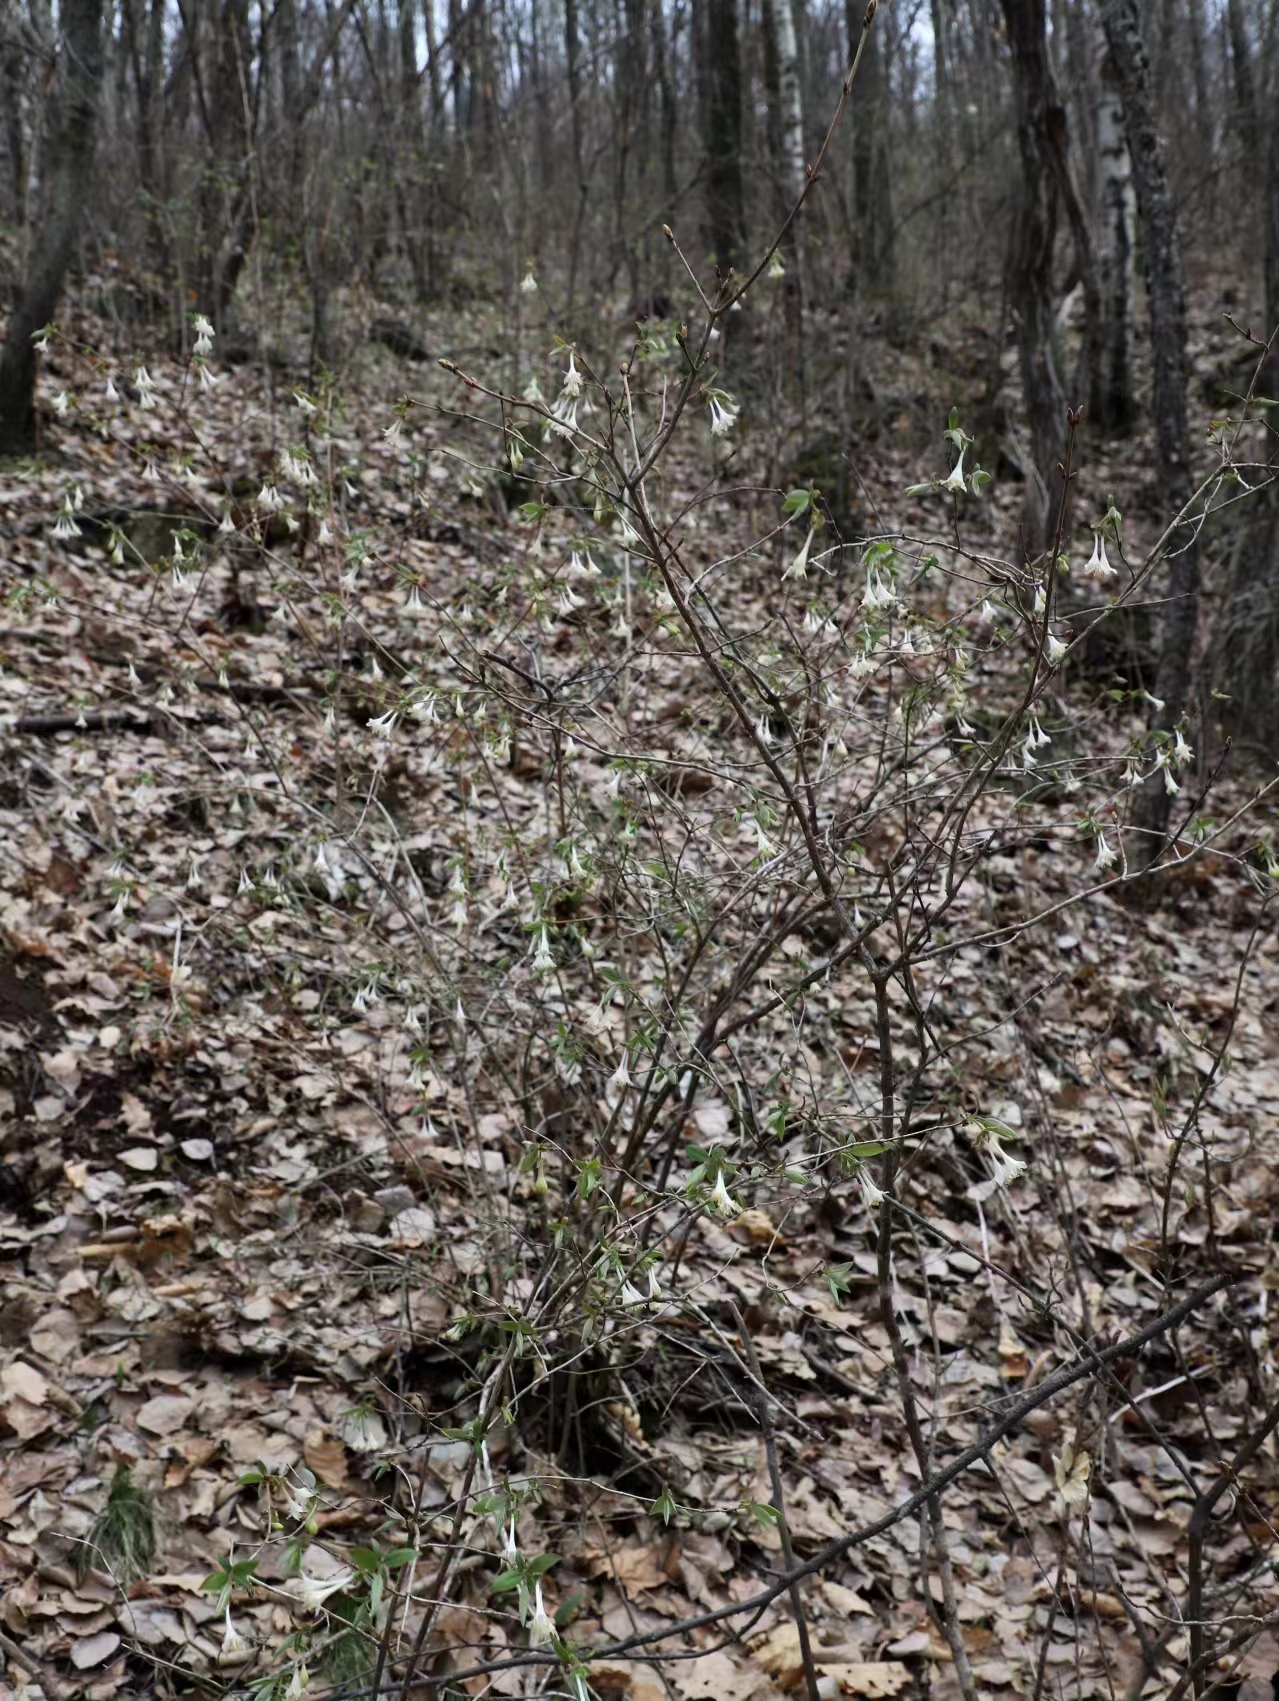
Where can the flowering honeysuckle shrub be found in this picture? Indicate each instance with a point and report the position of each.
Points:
(715, 801)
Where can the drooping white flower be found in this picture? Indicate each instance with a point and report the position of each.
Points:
(572, 381)
(956, 480)
(61, 402)
(878, 596)
(776, 269)
(1097, 565)
(208, 378)
(1004, 1169)
(620, 1079)
(631, 1295)
(1056, 650)
(110, 391)
(1181, 751)
(65, 525)
(543, 961)
(234, 1645)
(528, 284)
(541, 1628)
(203, 335)
(1170, 784)
(723, 417)
(1106, 854)
(382, 725)
(872, 1197)
(299, 1683)
(510, 1548)
(798, 568)
(723, 1200)
(654, 1291)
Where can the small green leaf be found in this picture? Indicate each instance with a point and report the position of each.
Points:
(567, 1610)
(664, 1506)
(768, 1517)
(503, 1581)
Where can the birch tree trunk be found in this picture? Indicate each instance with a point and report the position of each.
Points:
(1111, 404)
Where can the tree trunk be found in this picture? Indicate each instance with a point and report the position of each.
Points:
(873, 248)
(68, 162)
(722, 132)
(1031, 262)
(1111, 403)
(1165, 290)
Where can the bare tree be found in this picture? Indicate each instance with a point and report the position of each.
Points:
(70, 115)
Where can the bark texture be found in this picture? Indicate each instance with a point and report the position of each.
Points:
(1166, 296)
(68, 161)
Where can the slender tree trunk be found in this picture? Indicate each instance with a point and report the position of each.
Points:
(11, 102)
(722, 132)
(1031, 264)
(1165, 290)
(873, 246)
(1111, 403)
(67, 165)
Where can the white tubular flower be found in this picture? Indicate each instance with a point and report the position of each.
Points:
(541, 1628)
(724, 417)
(382, 725)
(723, 1200)
(203, 335)
(872, 1197)
(620, 1079)
(956, 480)
(208, 378)
(763, 732)
(234, 1646)
(1106, 855)
(510, 1548)
(564, 416)
(878, 596)
(543, 961)
(299, 1684)
(1041, 600)
(1005, 1170)
(798, 568)
(1097, 566)
(654, 1291)
(775, 267)
(528, 284)
(1170, 784)
(1181, 751)
(572, 381)
(65, 526)
(631, 1295)
(312, 1592)
(61, 402)
(111, 393)
(1056, 650)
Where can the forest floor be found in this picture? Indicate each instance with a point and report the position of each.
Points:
(250, 1201)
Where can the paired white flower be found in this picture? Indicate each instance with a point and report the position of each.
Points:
(879, 595)
(1097, 565)
(1106, 856)
(1004, 1170)
(383, 725)
(543, 961)
(203, 335)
